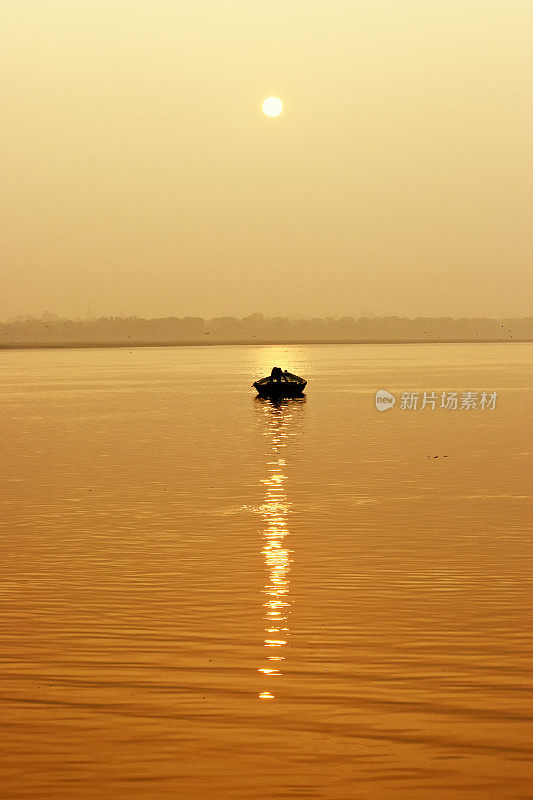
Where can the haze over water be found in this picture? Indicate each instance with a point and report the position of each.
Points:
(204, 594)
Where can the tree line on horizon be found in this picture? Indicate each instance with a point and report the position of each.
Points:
(51, 329)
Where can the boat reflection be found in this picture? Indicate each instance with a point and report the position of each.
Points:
(279, 419)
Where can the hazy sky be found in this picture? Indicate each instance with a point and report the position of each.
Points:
(140, 175)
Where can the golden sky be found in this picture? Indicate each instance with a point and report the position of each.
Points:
(140, 175)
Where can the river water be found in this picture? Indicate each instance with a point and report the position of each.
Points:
(207, 595)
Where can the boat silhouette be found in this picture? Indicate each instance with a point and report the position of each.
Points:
(280, 383)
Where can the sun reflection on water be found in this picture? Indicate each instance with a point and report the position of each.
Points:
(277, 556)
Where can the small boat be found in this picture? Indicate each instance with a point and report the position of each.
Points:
(280, 383)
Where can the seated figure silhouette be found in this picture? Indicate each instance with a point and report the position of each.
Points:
(275, 375)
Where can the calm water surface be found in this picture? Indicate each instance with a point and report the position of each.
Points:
(205, 595)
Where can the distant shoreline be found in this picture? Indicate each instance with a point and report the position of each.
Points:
(243, 343)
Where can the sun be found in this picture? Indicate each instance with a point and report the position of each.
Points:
(272, 106)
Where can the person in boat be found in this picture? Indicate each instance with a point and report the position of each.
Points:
(276, 374)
